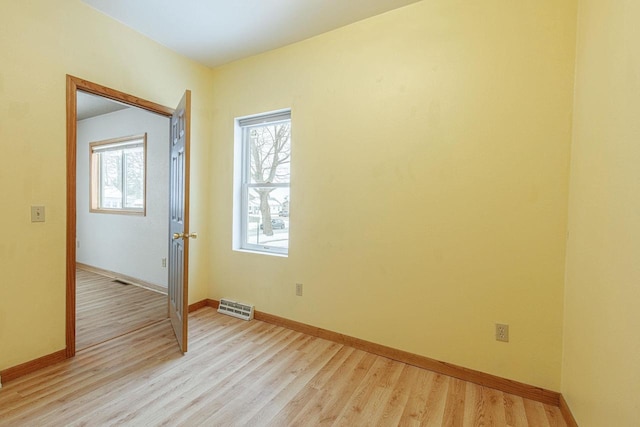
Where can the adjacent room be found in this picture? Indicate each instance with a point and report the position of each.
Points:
(121, 219)
(428, 210)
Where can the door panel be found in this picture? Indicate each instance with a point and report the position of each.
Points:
(179, 220)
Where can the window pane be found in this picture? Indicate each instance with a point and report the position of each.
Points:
(269, 149)
(262, 187)
(111, 179)
(117, 174)
(134, 177)
(268, 217)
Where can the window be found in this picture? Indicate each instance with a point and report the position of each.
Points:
(118, 175)
(265, 177)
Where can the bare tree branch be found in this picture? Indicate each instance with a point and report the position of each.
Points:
(269, 148)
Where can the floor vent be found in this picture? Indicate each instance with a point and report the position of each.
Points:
(236, 309)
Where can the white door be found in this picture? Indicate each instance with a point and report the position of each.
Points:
(179, 220)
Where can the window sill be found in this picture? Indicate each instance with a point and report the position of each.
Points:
(251, 251)
(118, 211)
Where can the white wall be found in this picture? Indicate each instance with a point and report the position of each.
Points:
(128, 244)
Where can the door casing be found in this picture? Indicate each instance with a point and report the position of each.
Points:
(74, 84)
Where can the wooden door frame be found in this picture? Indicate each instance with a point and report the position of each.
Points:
(74, 84)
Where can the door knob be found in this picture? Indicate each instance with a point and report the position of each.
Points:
(185, 236)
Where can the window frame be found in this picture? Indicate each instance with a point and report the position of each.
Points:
(244, 184)
(95, 178)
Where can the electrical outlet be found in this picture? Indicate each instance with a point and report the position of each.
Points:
(78, 244)
(164, 262)
(502, 332)
(299, 289)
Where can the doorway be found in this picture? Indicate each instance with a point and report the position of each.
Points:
(122, 210)
(177, 289)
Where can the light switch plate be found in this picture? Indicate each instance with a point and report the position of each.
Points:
(37, 213)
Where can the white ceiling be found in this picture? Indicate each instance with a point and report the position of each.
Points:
(89, 105)
(214, 32)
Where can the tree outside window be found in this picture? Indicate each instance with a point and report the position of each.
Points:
(266, 182)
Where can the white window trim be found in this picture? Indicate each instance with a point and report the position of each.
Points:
(241, 183)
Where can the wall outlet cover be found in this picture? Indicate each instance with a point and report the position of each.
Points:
(502, 332)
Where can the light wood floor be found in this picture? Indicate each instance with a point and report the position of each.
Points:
(254, 374)
(106, 309)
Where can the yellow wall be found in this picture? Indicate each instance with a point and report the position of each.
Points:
(429, 181)
(40, 42)
(601, 364)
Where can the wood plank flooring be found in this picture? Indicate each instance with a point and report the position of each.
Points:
(106, 309)
(239, 373)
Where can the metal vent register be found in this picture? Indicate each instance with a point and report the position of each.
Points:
(236, 309)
